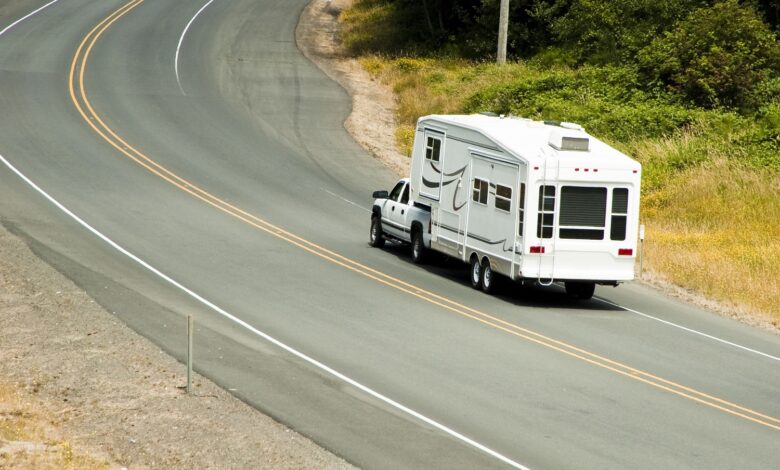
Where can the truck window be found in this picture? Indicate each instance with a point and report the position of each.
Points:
(405, 196)
(583, 213)
(503, 198)
(396, 191)
(544, 223)
(433, 149)
(480, 192)
(617, 229)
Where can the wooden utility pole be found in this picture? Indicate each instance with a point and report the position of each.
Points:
(503, 31)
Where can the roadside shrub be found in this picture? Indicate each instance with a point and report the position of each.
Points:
(609, 32)
(715, 57)
(607, 101)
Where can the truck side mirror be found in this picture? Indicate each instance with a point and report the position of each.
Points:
(380, 194)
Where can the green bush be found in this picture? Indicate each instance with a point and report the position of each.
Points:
(607, 101)
(609, 32)
(715, 57)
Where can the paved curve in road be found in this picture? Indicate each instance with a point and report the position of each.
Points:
(237, 180)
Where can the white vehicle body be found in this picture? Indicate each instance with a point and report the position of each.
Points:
(533, 201)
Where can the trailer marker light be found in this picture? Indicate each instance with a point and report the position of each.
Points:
(635, 171)
(625, 252)
(536, 168)
(537, 249)
(595, 170)
(587, 169)
(576, 169)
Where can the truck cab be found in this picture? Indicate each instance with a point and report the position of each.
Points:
(395, 216)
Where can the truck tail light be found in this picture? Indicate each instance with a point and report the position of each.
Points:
(536, 250)
(625, 252)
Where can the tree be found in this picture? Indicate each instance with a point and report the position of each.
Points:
(715, 57)
(604, 31)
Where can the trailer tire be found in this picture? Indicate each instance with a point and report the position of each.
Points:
(488, 277)
(418, 247)
(580, 290)
(475, 273)
(375, 236)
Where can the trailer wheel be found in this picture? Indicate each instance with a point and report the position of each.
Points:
(418, 247)
(488, 277)
(580, 290)
(476, 272)
(375, 236)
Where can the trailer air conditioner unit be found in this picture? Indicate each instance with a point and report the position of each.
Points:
(568, 141)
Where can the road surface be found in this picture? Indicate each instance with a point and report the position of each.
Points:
(194, 162)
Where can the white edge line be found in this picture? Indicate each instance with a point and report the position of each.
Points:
(346, 200)
(691, 330)
(263, 335)
(7, 28)
(181, 40)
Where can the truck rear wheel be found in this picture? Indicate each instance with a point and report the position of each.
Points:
(375, 236)
(418, 247)
(476, 273)
(580, 290)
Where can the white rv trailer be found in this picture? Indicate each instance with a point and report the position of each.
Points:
(537, 202)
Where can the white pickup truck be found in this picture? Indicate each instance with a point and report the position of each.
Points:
(394, 216)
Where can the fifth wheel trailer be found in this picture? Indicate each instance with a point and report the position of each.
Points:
(537, 202)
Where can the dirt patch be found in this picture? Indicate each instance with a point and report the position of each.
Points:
(372, 122)
(737, 312)
(78, 389)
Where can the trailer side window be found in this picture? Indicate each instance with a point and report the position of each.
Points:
(583, 212)
(619, 214)
(480, 192)
(544, 223)
(521, 210)
(503, 198)
(433, 149)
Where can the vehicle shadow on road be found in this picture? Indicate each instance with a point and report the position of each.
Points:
(552, 297)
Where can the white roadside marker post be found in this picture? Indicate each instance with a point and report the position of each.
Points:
(641, 247)
(190, 331)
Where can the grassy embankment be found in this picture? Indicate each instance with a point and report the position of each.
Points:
(711, 183)
(24, 427)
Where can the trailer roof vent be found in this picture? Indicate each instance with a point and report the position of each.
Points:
(571, 141)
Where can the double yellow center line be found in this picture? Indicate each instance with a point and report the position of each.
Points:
(81, 101)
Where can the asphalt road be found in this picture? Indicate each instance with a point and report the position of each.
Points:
(271, 226)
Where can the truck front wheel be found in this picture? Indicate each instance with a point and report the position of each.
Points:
(375, 236)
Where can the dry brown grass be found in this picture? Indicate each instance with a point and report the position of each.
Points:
(715, 229)
(27, 439)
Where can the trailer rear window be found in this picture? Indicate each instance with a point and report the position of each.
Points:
(544, 223)
(583, 213)
(521, 210)
(480, 192)
(617, 229)
(433, 149)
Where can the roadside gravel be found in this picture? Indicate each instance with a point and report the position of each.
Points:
(112, 394)
(79, 389)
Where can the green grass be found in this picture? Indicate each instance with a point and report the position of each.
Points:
(711, 178)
